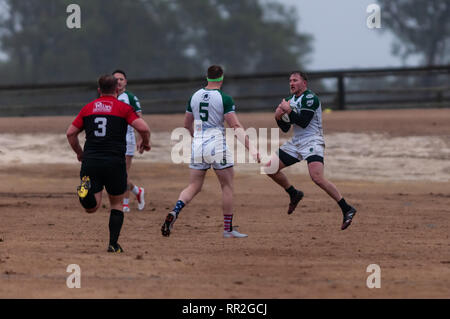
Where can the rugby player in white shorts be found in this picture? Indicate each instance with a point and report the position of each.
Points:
(130, 99)
(305, 115)
(205, 114)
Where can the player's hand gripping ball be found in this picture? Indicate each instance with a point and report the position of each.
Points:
(281, 114)
(285, 116)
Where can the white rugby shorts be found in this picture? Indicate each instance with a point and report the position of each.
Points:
(212, 151)
(304, 151)
(131, 143)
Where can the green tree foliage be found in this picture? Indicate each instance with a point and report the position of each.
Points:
(244, 35)
(147, 38)
(422, 27)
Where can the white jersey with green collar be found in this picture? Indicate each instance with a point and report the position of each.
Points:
(208, 108)
(309, 102)
(130, 99)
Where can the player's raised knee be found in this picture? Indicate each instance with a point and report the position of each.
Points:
(89, 203)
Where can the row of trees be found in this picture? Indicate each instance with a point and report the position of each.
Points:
(148, 38)
(422, 27)
(170, 38)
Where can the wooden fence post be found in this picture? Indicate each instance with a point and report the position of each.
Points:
(341, 92)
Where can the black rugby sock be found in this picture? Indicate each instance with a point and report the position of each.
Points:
(343, 205)
(115, 225)
(291, 191)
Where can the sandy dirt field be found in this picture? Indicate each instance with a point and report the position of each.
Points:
(393, 166)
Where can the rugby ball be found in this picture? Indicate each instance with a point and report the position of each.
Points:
(285, 118)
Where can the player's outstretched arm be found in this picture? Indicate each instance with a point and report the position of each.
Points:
(188, 121)
(138, 136)
(144, 131)
(72, 137)
(233, 122)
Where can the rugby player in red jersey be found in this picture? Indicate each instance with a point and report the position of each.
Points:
(103, 164)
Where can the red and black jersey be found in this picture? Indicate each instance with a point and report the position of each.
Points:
(105, 121)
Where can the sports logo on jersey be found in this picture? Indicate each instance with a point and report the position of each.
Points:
(102, 107)
(206, 96)
(310, 96)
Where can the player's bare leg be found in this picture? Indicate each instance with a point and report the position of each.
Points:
(115, 201)
(126, 199)
(196, 178)
(138, 191)
(225, 177)
(273, 170)
(316, 171)
(115, 223)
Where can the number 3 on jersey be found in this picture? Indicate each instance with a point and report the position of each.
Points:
(101, 121)
(204, 111)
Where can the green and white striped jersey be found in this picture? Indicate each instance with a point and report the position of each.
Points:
(208, 108)
(314, 131)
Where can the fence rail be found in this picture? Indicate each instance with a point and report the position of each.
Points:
(337, 89)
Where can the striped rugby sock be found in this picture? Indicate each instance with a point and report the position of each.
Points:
(228, 222)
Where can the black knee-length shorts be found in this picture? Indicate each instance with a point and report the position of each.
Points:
(111, 174)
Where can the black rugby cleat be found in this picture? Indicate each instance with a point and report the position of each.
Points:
(348, 217)
(294, 201)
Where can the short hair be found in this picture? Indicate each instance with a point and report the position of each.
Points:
(215, 72)
(107, 84)
(121, 72)
(302, 74)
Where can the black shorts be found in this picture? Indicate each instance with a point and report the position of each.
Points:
(286, 159)
(111, 174)
(289, 160)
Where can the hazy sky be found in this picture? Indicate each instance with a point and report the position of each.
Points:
(341, 36)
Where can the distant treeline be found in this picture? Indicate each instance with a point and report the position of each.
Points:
(147, 38)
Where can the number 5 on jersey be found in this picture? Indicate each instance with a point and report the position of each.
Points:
(101, 121)
(204, 111)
